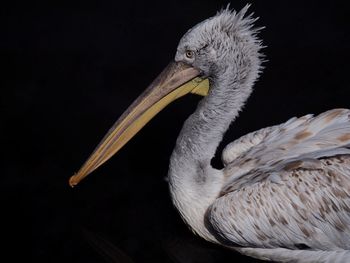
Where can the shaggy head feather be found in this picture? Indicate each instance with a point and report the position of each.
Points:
(220, 42)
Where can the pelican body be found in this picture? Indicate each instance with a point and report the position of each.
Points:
(284, 191)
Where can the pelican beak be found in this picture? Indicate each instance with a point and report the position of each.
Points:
(176, 80)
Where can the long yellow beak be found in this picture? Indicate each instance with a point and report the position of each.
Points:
(176, 80)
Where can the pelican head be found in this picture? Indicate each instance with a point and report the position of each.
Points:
(222, 48)
(220, 43)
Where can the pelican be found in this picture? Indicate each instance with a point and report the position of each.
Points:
(284, 192)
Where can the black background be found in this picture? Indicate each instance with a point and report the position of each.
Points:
(70, 69)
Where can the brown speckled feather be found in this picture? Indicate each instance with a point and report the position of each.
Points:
(290, 188)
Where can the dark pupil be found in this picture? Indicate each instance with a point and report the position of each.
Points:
(189, 54)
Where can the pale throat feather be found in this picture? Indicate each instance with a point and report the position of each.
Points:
(194, 183)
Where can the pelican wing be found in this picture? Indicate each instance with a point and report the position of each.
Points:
(271, 149)
(290, 188)
(307, 208)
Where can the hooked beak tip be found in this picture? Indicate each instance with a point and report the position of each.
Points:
(72, 181)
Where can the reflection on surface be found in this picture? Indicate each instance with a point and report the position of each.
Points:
(175, 249)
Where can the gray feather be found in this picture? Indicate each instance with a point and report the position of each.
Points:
(284, 193)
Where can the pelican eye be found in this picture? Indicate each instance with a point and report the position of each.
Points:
(189, 54)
